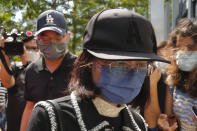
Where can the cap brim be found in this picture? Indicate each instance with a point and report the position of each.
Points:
(117, 55)
(55, 29)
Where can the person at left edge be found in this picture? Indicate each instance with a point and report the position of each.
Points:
(15, 83)
(48, 77)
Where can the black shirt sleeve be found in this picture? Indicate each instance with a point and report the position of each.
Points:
(39, 120)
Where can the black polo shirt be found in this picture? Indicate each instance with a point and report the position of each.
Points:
(41, 84)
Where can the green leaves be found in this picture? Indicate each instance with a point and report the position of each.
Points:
(77, 13)
(83, 10)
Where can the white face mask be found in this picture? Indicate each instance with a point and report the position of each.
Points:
(186, 61)
(32, 55)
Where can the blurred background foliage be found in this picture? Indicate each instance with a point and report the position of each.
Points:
(77, 14)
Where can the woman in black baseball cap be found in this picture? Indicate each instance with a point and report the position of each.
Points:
(118, 49)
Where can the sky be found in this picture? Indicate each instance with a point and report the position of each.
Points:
(18, 16)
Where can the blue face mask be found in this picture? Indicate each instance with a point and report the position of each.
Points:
(120, 88)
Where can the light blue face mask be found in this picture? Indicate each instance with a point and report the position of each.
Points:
(120, 88)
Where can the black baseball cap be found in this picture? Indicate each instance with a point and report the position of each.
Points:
(51, 20)
(121, 34)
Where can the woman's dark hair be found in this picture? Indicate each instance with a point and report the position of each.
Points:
(81, 77)
(142, 98)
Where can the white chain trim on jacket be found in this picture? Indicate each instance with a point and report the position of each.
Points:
(78, 112)
(125, 128)
(79, 116)
(103, 124)
(145, 124)
(49, 108)
(100, 126)
(133, 121)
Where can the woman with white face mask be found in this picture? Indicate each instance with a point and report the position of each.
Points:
(181, 93)
(32, 52)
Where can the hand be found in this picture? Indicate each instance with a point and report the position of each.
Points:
(2, 41)
(194, 119)
(2, 45)
(164, 124)
(155, 77)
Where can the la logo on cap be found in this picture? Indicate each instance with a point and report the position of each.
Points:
(49, 19)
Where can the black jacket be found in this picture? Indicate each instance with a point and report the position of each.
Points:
(89, 116)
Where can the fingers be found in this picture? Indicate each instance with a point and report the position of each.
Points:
(149, 70)
(154, 71)
(162, 121)
(157, 73)
(3, 45)
(173, 127)
(163, 116)
(155, 77)
(164, 124)
(2, 42)
(194, 119)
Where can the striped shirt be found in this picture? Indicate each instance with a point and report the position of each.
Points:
(3, 95)
(182, 107)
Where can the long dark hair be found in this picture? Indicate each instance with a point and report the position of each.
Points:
(142, 98)
(81, 77)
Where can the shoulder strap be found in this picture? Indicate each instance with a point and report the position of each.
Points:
(58, 113)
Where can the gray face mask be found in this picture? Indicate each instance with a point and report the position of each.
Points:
(53, 51)
(186, 61)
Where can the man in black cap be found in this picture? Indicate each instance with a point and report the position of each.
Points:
(48, 77)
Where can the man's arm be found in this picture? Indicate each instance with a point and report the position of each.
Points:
(7, 79)
(26, 115)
